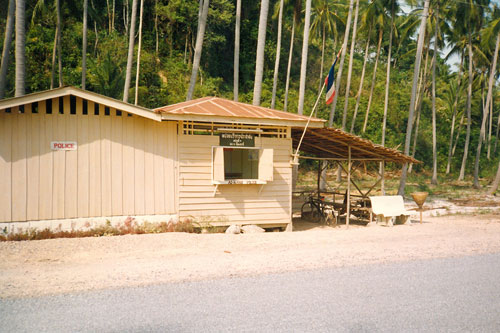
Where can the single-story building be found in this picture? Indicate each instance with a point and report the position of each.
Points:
(69, 157)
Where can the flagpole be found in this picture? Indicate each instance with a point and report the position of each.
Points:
(296, 155)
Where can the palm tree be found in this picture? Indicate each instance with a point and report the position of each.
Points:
(495, 27)
(20, 47)
(9, 28)
(202, 24)
(303, 65)
(361, 81)
(416, 71)
(278, 50)
(130, 56)
(136, 99)
(341, 65)
(351, 60)
(237, 51)
(297, 7)
(59, 48)
(494, 185)
(84, 43)
(259, 61)
(434, 180)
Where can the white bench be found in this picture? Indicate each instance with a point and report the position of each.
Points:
(388, 208)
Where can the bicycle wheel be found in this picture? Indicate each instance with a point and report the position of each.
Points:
(310, 212)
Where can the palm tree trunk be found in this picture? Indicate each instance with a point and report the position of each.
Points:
(361, 81)
(236, 68)
(485, 114)
(136, 99)
(108, 9)
(434, 179)
(459, 128)
(20, 47)
(54, 58)
(84, 44)
(156, 27)
(454, 115)
(387, 81)
(374, 76)
(303, 65)
(349, 70)
(59, 48)
(498, 130)
(490, 123)
(130, 56)
(341, 65)
(289, 67)
(416, 71)
(198, 49)
(323, 32)
(277, 61)
(496, 182)
(9, 28)
(259, 61)
(469, 106)
(415, 137)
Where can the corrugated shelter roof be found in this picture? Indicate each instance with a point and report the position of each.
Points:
(224, 110)
(333, 143)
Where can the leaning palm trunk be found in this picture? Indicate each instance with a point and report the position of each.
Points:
(469, 106)
(277, 61)
(454, 116)
(303, 64)
(485, 114)
(236, 67)
(349, 71)
(341, 65)
(490, 123)
(323, 32)
(84, 44)
(20, 47)
(259, 61)
(360, 89)
(418, 59)
(136, 99)
(289, 67)
(387, 81)
(54, 58)
(130, 57)
(415, 136)
(198, 48)
(374, 77)
(434, 180)
(9, 28)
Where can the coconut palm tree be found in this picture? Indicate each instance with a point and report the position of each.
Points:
(278, 50)
(136, 99)
(84, 43)
(494, 28)
(20, 47)
(202, 24)
(9, 28)
(259, 61)
(59, 48)
(303, 65)
(130, 56)
(236, 77)
(416, 71)
(297, 8)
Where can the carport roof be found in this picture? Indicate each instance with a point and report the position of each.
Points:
(332, 143)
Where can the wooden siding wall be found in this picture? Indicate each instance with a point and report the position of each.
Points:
(124, 165)
(241, 204)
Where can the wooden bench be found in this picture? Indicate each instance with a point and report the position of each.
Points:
(388, 208)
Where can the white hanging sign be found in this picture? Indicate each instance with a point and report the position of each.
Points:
(63, 145)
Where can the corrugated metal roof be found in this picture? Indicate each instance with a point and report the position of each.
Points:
(224, 108)
(333, 143)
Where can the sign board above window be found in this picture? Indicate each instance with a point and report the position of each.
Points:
(237, 139)
(63, 145)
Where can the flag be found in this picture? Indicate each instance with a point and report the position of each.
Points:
(330, 84)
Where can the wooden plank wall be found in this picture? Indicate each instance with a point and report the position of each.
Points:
(124, 165)
(233, 203)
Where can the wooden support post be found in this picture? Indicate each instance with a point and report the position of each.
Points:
(348, 186)
(382, 169)
(319, 178)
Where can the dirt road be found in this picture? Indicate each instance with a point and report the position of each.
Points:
(70, 265)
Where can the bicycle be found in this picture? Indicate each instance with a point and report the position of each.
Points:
(313, 209)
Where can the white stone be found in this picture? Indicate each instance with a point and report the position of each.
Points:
(251, 229)
(233, 229)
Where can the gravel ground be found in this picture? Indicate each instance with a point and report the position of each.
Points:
(58, 266)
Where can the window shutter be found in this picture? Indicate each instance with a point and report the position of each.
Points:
(266, 164)
(218, 164)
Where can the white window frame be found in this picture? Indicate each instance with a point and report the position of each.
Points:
(266, 166)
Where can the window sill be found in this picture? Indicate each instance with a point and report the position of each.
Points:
(240, 182)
